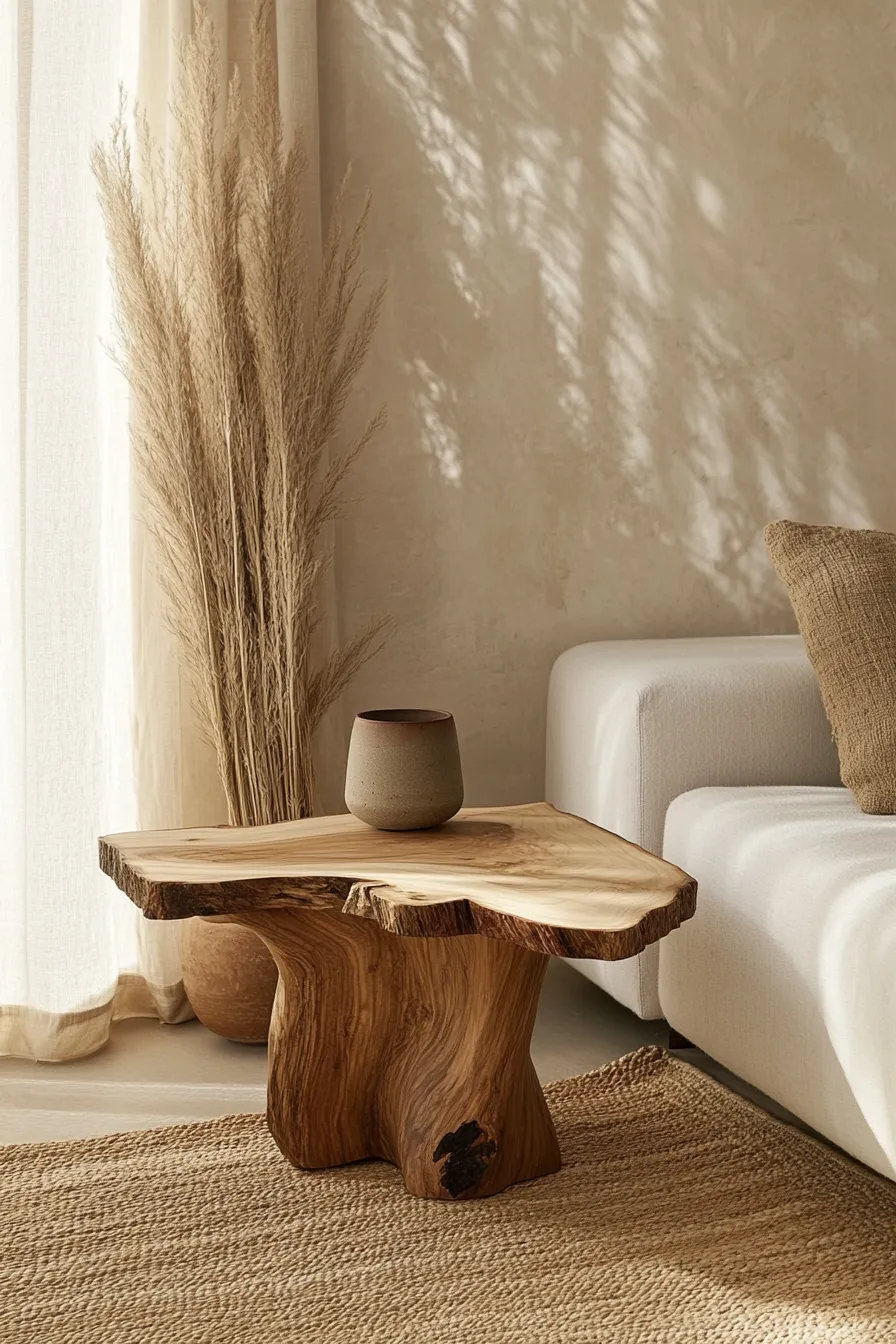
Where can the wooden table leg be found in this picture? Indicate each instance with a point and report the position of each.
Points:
(411, 1049)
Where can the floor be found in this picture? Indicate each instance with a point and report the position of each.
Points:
(150, 1075)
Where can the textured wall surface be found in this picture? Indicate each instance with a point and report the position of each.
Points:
(642, 298)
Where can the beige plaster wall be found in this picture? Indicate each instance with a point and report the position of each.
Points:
(642, 298)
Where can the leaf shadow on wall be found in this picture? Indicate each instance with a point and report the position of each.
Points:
(642, 299)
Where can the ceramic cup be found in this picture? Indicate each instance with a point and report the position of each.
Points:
(404, 771)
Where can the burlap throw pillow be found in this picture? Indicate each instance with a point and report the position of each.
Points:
(842, 584)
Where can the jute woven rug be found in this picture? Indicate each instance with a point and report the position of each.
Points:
(681, 1214)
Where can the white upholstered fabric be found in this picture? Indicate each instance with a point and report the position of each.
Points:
(634, 723)
(787, 972)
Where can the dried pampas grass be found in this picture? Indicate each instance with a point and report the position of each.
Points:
(241, 352)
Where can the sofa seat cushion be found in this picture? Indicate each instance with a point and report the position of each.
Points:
(787, 972)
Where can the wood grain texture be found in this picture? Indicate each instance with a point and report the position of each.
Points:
(415, 1050)
(530, 875)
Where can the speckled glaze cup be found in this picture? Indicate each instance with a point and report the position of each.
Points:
(404, 771)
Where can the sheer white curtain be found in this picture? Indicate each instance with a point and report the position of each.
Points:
(96, 732)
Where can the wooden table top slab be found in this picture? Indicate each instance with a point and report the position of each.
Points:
(531, 875)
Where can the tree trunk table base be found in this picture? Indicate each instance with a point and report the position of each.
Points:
(415, 1050)
(410, 965)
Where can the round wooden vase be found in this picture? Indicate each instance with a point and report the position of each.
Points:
(230, 979)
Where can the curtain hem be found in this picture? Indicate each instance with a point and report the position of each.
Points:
(58, 1038)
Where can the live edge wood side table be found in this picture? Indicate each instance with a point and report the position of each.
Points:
(410, 967)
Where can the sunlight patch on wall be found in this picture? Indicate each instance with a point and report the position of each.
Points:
(778, 475)
(450, 148)
(543, 177)
(638, 229)
(713, 483)
(533, 192)
(440, 439)
(710, 202)
(847, 506)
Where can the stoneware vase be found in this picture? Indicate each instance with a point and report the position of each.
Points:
(404, 771)
(230, 979)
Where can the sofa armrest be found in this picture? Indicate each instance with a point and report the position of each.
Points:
(634, 723)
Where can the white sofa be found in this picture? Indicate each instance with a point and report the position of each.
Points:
(717, 753)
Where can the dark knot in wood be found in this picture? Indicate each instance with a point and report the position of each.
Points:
(468, 1150)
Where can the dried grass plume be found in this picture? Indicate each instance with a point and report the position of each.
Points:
(240, 348)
